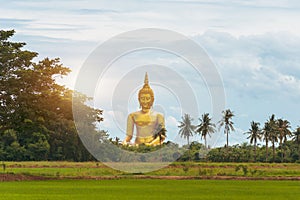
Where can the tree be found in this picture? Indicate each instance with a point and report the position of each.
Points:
(283, 131)
(273, 135)
(265, 136)
(267, 131)
(296, 139)
(254, 135)
(160, 132)
(186, 127)
(37, 108)
(227, 123)
(206, 127)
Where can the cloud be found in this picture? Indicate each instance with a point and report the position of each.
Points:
(258, 64)
(99, 20)
(12, 23)
(95, 11)
(172, 121)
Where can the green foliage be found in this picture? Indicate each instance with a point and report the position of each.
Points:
(186, 127)
(206, 127)
(244, 168)
(36, 119)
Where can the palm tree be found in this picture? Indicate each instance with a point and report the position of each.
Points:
(255, 134)
(160, 132)
(186, 127)
(267, 131)
(273, 136)
(206, 127)
(296, 138)
(227, 123)
(283, 130)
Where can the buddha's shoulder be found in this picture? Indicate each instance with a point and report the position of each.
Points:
(138, 113)
(158, 114)
(134, 114)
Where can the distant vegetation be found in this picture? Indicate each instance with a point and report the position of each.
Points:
(36, 119)
(64, 169)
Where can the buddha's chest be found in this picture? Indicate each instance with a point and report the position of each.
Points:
(145, 120)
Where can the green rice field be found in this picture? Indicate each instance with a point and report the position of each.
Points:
(149, 189)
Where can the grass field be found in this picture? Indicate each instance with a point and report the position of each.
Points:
(149, 189)
(85, 169)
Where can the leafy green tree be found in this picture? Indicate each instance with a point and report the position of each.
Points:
(254, 135)
(227, 123)
(37, 108)
(186, 127)
(206, 127)
(10, 148)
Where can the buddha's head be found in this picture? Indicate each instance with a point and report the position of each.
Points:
(146, 95)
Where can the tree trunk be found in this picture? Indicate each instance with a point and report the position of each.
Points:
(284, 152)
(226, 136)
(281, 152)
(188, 140)
(273, 146)
(205, 142)
(266, 150)
(255, 151)
(298, 150)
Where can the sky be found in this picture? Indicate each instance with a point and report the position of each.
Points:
(253, 44)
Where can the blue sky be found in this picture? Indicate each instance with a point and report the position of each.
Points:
(255, 45)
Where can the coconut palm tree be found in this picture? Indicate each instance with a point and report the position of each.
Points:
(227, 123)
(186, 127)
(273, 136)
(267, 131)
(283, 130)
(160, 132)
(296, 138)
(206, 127)
(254, 135)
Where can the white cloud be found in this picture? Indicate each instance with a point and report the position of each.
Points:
(256, 63)
(172, 121)
(99, 20)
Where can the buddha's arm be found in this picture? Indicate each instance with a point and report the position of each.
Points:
(161, 120)
(161, 123)
(129, 130)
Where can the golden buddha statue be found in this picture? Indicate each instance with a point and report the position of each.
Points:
(147, 121)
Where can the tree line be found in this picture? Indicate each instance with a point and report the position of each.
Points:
(274, 132)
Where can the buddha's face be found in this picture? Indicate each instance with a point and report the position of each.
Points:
(146, 101)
